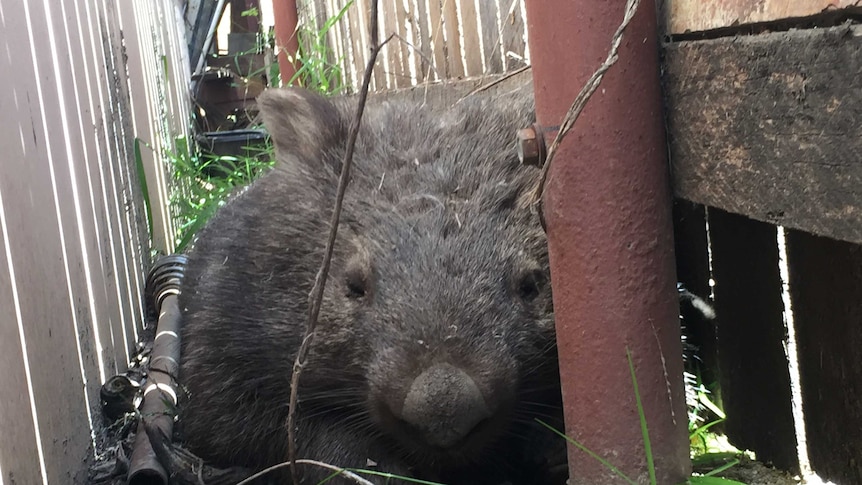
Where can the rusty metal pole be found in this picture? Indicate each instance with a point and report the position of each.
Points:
(607, 208)
(286, 41)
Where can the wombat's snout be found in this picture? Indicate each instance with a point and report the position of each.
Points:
(444, 405)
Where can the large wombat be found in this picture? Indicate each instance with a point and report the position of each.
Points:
(435, 350)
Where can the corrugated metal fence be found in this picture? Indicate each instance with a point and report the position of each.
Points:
(80, 79)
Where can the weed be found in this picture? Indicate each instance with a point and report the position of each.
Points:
(317, 69)
(205, 181)
(698, 431)
(142, 180)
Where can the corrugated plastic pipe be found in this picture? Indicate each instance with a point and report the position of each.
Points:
(160, 390)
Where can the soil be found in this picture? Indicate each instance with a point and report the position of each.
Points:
(751, 472)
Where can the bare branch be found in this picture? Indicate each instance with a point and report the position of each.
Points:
(495, 82)
(416, 51)
(315, 297)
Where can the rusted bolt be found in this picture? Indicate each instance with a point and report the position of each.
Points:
(531, 145)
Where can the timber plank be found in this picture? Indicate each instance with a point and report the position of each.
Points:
(750, 331)
(768, 126)
(456, 67)
(512, 29)
(488, 10)
(436, 40)
(698, 15)
(826, 291)
(470, 29)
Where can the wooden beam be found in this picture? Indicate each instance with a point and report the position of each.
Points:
(826, 291)
(750, 339)
(682, 16)
(768, 126)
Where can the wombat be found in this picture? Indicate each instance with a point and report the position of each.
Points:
(435, 349)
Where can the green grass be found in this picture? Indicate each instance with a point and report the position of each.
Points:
(204, 182)
(702, 455)
(142, 180)
(390, 476)
(318, 68)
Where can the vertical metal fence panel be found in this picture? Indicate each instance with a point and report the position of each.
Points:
(123, 197)
(91, 119)
(152, 108)
(75, 243)
(19, 455)
(92, 221)
(142, 120)
(46, 216)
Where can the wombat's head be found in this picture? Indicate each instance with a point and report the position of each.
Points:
(439, 289)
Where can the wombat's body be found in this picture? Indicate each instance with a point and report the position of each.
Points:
(435, 348)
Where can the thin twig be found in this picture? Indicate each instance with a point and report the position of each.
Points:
(581, 101)
(343, 472)
(315, 297)
(495, 82)
(418, 52)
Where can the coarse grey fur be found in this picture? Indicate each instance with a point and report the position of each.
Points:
(435, 348)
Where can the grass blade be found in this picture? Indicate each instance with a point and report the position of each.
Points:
(589, 452)
(642, 416)
(392, 476)
(722, 468)
(142, 181)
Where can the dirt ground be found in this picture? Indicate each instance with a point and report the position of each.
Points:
(752, 472)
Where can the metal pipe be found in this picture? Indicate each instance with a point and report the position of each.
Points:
(160, 390)
(607, 206)
(286, 40)
(219, 11)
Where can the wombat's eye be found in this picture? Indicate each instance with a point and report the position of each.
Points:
(357, 283)
(529, 284)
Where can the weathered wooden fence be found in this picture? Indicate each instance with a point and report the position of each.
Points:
(433, 39)
(763, 106)
(81, 80)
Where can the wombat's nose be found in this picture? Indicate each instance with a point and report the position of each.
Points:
(444, 404)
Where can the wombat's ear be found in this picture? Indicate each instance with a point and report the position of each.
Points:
(301, 123)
